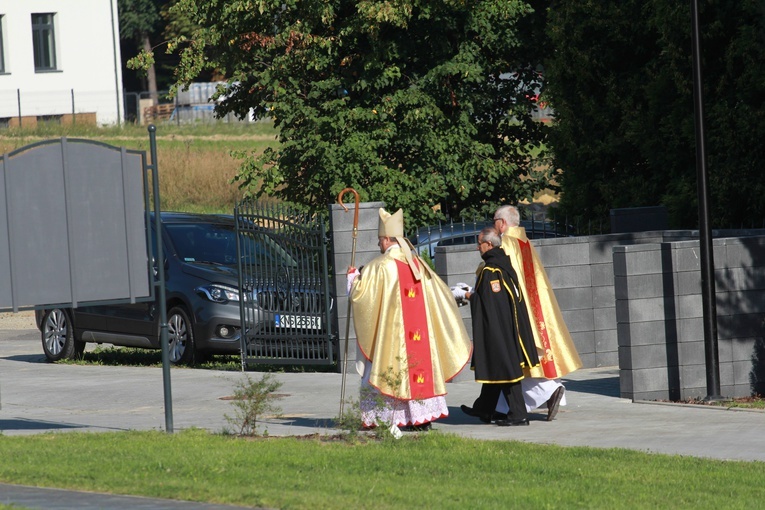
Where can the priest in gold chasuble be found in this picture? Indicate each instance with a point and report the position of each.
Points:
(558, 353)
(409, 331)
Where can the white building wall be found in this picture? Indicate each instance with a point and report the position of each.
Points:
(88, 75)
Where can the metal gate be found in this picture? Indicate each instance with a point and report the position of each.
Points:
(287, 313)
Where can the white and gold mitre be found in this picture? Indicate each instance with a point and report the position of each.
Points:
(390, 225)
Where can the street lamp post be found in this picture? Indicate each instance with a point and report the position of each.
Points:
(705, 234)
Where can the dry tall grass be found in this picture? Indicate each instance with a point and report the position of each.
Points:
(195, 165)
(197, 179)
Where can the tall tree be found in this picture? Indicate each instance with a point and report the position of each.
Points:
(138, 20)
(178, 24)
(620, 81)
(424, 104)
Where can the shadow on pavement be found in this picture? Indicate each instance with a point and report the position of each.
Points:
(457, 417)
(27, 358)
(606, 386)
(296, 421)
(20, 424)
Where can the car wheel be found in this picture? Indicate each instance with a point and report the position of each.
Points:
(58, 336)
(180, 337)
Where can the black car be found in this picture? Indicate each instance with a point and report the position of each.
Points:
(202, 296)
(455, 234)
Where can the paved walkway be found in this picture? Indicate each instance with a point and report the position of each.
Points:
(36, 397)
(58, 499)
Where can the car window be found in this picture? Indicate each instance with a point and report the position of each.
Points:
(216, 243)
(261, 248)
(455, 241)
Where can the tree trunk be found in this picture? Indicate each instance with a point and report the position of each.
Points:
(151, 74)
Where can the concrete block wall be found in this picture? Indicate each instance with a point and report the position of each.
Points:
(567, 261)
(660, 318)
(604, 351)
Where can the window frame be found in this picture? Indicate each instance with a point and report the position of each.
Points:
(44, 41)
(2, 45)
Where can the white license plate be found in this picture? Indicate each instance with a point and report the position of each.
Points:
(298, 321)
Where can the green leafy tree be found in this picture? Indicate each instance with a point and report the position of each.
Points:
(177, 23)
(620, 82)
(423, 104)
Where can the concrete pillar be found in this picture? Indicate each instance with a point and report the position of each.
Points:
(366, 250)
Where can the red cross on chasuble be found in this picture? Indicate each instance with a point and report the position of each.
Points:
(416, 334)
(548, 363)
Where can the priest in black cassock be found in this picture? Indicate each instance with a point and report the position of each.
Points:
(503, 341)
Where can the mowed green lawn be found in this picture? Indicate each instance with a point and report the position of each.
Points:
(432, 470)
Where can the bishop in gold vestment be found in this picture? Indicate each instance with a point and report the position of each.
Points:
(409, 331)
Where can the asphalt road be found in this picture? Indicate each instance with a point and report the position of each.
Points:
(36, 396)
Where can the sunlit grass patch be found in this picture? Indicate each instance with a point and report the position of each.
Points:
(108, 355)
(442, 470)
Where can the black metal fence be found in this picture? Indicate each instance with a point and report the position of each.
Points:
(538, 225)
(288, 314)
(184, 108)
(25, 107)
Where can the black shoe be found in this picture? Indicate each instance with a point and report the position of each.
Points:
(468, 410)
(553, 403)
(498, 416)
(512, 423)
(486, 418)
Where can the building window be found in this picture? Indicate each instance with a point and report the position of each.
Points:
(44, 42)
(49, 119)
(2, 45)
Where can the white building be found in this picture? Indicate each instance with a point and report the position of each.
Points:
(60, 62)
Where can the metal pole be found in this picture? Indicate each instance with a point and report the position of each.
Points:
(74, 117)
(18, 99)
(116, 63)
(705, 232)
(353, 262)
(161, 283)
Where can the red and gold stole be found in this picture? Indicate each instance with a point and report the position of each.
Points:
(416, 334)
(548, 365)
